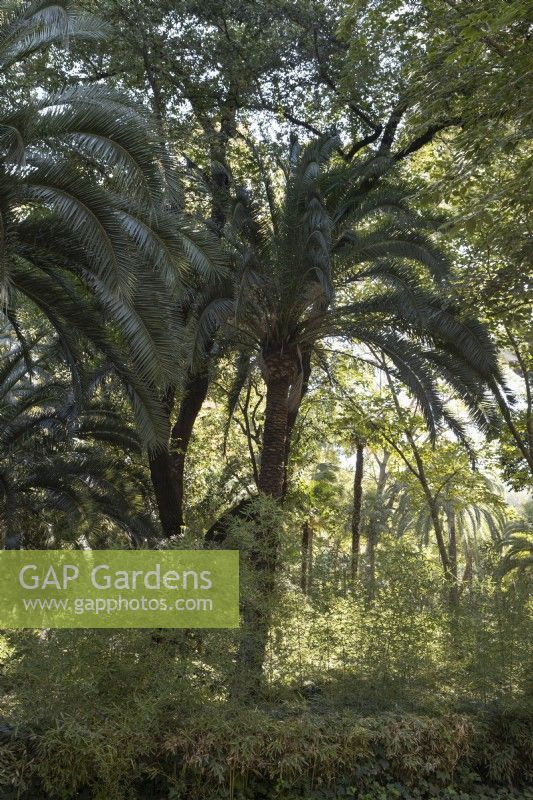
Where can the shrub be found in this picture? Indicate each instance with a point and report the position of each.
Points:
(220, 753)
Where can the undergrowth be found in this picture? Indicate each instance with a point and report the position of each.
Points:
(254, 754)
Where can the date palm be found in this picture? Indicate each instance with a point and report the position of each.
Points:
(517, 547)
(61, 463)
(343, 258)
(90, 228)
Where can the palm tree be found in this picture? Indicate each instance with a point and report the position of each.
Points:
(517, 544)
(188, 393)
(469, 513)
(342, 257)
(90, 226)
(59, 462)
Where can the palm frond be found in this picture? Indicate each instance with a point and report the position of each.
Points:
(30, 26)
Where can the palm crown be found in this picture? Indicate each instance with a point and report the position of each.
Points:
(90, 226)
(61, 462)
(344, 256)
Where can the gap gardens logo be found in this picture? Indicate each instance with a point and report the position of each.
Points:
(119, 589)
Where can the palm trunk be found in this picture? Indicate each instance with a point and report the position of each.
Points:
(293, 416)
(165, 490)
(257, 610)
(190, 406)
(167, 468)
(163, 479)
(271, 473)
(356, 511)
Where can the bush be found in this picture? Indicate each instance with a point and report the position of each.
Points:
(253, 754)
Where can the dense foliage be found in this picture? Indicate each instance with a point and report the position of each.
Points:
(265, 271)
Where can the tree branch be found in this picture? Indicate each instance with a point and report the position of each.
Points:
(425, 138)
(391, 126)
(327, 80)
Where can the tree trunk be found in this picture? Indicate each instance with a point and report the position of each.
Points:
(271, 472)
(433, 508)
(437, 527)
(257, 609)
(168, 466)
(420, 474)
(452, 558)
(307, 557)
(190, 406)
(220, 171)
(356, 511)
(163, 480)
(293, 416)
(514, 431)
(165, 490)
(373, 527)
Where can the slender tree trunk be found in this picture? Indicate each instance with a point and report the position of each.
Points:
(420, 474)
(439, 533)
(356, 510)
(190, 406)
(452, 558)
(373, 527)
(307, 557)
(432, 506)
(514, 431)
